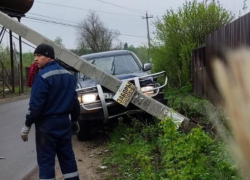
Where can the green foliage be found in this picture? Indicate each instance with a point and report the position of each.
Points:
(194, 107)
(59, 41)
(141, 52)
(244, 8)
(5, 56)
(81, 51)
(27, 59)
(132, 151)
(158, 151)
(179, 33)
(125, 46)
(193, 156)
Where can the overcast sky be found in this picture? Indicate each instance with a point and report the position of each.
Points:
(122, 15)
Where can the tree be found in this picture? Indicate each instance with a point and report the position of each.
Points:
(94, 35)
(179, 33)
(141, 52)
(244, 5)
(81, 51)
(59, 41)
(28, 59)
(125, 46)
(5, 56)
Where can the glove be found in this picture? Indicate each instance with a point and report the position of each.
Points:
(75, 127)
(24, 133)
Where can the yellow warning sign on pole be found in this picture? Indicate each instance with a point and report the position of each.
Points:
(125, 93)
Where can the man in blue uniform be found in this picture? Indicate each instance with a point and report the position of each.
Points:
(53, 99)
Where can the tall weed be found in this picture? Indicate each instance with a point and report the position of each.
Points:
(161, 152)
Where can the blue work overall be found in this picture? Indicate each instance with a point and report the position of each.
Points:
(53, 100)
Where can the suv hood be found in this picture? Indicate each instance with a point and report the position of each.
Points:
(91, 82)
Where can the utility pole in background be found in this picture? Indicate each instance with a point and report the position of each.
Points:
(147, 17)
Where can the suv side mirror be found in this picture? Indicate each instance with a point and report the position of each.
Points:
(147, 67)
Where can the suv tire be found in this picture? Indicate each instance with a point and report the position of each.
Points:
(84, 133)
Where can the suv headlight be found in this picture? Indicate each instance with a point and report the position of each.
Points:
(87, 98)
(147, 88)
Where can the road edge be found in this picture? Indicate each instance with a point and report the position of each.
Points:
(33, 171)
(13, 99)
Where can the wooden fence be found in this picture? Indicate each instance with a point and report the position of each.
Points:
(233, 35)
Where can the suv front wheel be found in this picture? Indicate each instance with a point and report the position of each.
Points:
(84, 134)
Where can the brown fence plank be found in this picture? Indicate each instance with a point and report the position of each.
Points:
(232, 35)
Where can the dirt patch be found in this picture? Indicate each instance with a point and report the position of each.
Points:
(89, 156)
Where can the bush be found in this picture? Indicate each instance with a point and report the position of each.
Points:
(193, 156)
(160, 152)
(179, 32)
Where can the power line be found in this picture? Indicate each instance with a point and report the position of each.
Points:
(17, 14)
(45, 20)
(68, 25)
(75, 26)
(123, 7)
(53, 22)
(51, 17)
(24, 42)
(36, 21)
(35, 18)
(85, 9)
(18, 39)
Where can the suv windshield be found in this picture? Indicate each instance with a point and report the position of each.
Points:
(115, 65)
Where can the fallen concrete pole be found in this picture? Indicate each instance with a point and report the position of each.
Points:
(139, 99)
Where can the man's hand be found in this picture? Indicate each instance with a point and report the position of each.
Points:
(75, 127)
(24, 133)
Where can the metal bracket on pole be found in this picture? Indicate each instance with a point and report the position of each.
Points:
(139, 99)
(104, 106)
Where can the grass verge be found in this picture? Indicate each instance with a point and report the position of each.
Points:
(156, 150)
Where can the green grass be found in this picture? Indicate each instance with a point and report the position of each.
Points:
(158, 151)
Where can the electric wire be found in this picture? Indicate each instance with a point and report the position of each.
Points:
(85, 9)
(23, 42)
(64, 24)
(123, 7)
(41, 20)
(51, 17)
(31, 17)
(53, 22)
(18, 38)
(38, 21)
(74, 24)
(2, 34)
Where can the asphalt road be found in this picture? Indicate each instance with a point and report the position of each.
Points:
(20, 156)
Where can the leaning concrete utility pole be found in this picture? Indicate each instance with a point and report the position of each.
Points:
(147, 17)
(139, 99)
